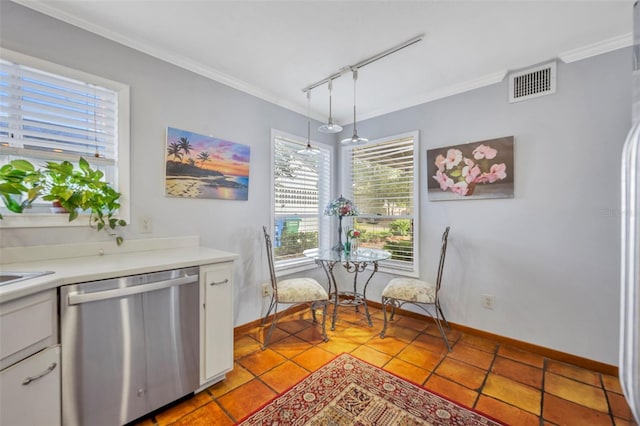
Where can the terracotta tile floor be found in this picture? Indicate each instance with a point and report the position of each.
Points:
(514, 386)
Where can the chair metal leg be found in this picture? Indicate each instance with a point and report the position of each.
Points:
(393, 309)
(444, 336)
(442, 315)
(385, 302)
(271, 328)
(395, 303)
(271, 306)
(324, 320)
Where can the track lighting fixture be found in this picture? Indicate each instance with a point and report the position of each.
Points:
(330, 127)
(354, 138)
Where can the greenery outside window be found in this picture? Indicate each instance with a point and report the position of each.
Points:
(301, 186)
(381, 178)
(53, 113)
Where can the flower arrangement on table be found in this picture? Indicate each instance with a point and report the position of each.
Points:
(340, 207)
(351, 246)
(460, 174)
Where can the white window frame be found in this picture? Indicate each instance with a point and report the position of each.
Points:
(39, 220)
(347, 189)
(300, 264)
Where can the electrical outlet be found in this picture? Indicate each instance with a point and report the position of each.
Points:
(488, 301)
(146, 225)
(266, 289)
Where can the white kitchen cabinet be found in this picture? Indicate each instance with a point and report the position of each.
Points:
(27, 325)
(30, 391)
(29, 363)
(216, 322)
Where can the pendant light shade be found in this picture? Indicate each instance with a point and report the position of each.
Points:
(354, 139)
(309, 150)
(330, 127)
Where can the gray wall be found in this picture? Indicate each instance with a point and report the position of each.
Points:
(164, 95)
(549, 256)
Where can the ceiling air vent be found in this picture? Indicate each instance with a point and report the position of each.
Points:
(532, 82)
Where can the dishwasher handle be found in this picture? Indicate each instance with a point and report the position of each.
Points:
(75, 298)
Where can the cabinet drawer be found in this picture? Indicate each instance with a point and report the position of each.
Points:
(30, 391)
(27, 325)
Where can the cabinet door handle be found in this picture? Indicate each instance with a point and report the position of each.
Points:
(226, 280)
(28, 380)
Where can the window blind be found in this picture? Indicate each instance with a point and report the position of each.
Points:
(382, 177)
(42, 113)
(301, 190)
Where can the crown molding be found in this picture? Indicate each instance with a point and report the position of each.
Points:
(434, 95)
(597, 48)
(235, 83)
(172, 58)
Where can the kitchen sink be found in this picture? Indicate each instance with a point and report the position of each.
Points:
(10, 277)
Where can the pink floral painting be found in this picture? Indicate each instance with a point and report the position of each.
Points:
(473, 170)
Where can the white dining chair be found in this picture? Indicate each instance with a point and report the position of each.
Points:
(293, 291)
(419, 293)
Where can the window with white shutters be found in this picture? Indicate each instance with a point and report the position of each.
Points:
(381, 178)
(53, 113)
(301, 184)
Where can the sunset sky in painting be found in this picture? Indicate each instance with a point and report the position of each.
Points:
(227, 157)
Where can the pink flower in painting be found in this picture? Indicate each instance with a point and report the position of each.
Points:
(445, 181)
(497, 172)
(460, 188)
(440, 162)
(471, 173)
(454, 157)
(484, 151)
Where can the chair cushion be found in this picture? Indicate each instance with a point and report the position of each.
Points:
(299, 290)
(410, 290)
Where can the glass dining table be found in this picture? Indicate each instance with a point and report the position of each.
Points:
(355, 263)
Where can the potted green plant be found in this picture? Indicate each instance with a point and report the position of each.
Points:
(77, 190)
(20, 185)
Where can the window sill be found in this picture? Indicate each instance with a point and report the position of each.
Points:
(394, 268)
(294, 266)
(41, 221)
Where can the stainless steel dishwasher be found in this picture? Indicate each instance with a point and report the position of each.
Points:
(129, 345)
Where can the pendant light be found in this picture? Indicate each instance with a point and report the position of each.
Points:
(330, 127)
(354, 139)
(309, 150)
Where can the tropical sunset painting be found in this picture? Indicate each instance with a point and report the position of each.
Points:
(199, 166)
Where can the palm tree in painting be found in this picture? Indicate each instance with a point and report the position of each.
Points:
(203, 157)
(185, 145)
(175, 150)
(191, 161)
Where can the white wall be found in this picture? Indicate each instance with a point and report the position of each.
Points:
(549, 256)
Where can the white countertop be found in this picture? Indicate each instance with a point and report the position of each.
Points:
(137, 259)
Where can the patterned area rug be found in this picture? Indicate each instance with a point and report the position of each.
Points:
(348, 391)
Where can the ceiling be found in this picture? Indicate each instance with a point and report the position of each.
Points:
(274, 49)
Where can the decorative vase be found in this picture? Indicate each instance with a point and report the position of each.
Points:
(470, 188)
(347, 247)
(56, 207)
(354, 246)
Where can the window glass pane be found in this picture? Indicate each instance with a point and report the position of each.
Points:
(382, 177)
(301, 187)
(43, 111)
